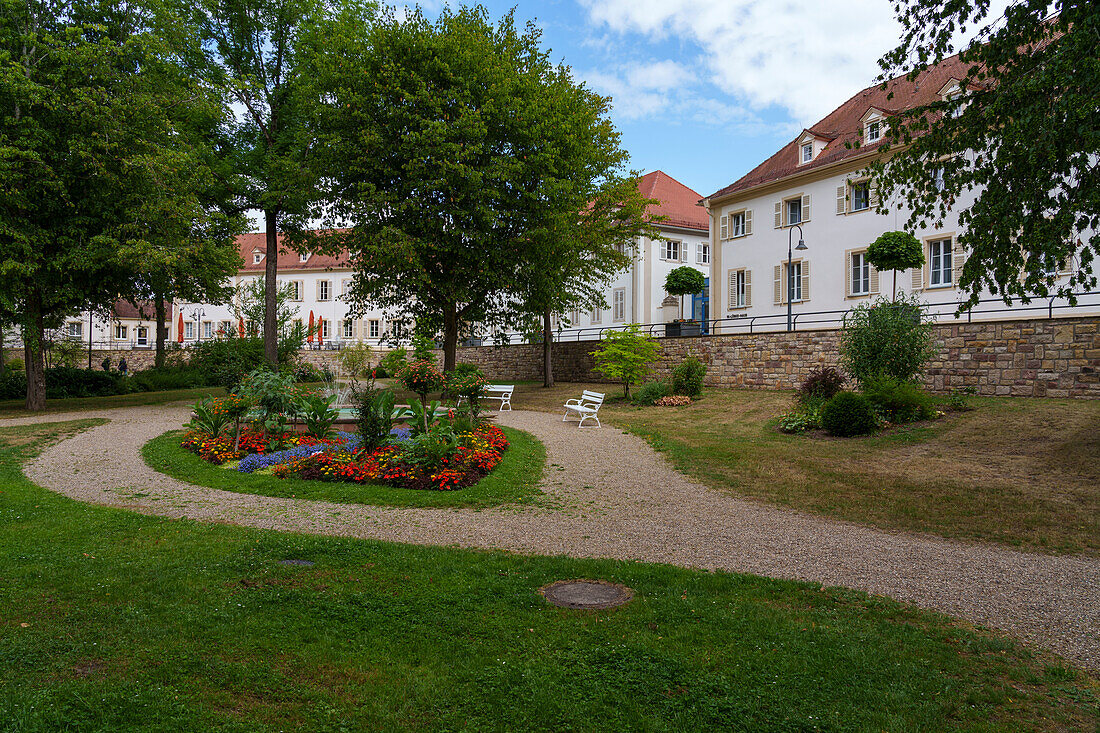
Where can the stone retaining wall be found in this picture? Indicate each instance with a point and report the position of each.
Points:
(1036, 357)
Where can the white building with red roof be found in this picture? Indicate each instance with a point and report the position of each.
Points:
(816, 188)
(638, 295)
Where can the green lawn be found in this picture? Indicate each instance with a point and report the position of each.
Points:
(111, 620)
(14, 408)
(1019, 471)
(514, 480)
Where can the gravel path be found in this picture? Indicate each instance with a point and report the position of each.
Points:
(608, 494)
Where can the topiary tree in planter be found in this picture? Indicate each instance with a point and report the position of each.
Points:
(895, 251)
(684, 281)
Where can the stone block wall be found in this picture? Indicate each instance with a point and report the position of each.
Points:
(1035, 357)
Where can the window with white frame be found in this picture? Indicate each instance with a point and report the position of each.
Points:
(349, 329)
(304, 257)
(737, 224)
(939, 263)
(794, 211)
(620, 247)
(861, 196)
(874, 131)
(345, 286)
(807, 152)
(938, 178)
(74, 329)
(618, 304)
(597, 315)
(324, 290)
(374, 328)
(794, 281)
(295, 288)
(188, 330)
(739, 289)
(702, 253)
(256, 257)
(207, 329)
(326, 330)
(860, 274)
(225, 327)
(672, 250)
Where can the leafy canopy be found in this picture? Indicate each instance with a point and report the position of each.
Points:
(1021, 137)
(626, 356)
(684, 281)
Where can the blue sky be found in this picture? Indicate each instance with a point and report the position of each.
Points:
(707, 89)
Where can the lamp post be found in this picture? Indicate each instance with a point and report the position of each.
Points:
(790, 279)
(197, 313)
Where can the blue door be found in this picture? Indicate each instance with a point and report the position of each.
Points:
(700, 306)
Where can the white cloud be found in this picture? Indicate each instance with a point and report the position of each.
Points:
(806, 56)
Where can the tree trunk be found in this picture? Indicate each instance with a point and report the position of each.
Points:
(450, 336)
(34, 334)
(162, 331)
(547, 350)
(271, 272)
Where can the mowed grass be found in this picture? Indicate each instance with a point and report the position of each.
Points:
(14, 408)
(111, 620)
(514, 480)
(1019, 471)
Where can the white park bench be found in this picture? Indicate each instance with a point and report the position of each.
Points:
(502, 392)
(587, 407)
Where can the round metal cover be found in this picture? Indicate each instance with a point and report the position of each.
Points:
(302, 563)
(583, 593)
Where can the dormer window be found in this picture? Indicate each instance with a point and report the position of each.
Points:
(874, 131)
(807, 152)
(303, 258)
(257, 256)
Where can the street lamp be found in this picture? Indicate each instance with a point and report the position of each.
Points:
(790, 275)
(197, 314)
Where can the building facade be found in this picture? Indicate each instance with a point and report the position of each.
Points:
(816, 190)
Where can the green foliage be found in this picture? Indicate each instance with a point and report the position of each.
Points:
(273, 394)
(898, 401)
(169, 377)
(355, 361)
(375, 411)
(424, 416)
(208, 418)
(467, 383)
(887, 338)
(225, 362)
(959, 399)
(451, 121)
(1027, 156)
(687, 377)
(648, 394)
(822, 383)
(848, 414)
(433, 447)
(684, 280)
(800, 420)
(421, 377)
(393, 362)
(423, 348)
(896, 251)
(626, 356)
(306, 372)
(318, 414)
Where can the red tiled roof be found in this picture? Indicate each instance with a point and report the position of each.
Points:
(288, 259)
(678, 203)
(842, 126)
(144, 310)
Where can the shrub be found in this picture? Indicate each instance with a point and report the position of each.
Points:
(650, 392)
(684, 281)
(847, 414)
(393, 362)
(64, 382)
(208, 418)
(306, 372)
(677, 400)
(886, 338)
(423, 348)
(273, 393)
(687, 377)
(823, 383)
(626, 356)
(13, 385)
(467, 384)
(355, 361)
(958, 400)
(421, 377)
(899, 401)
(375, 413)
(318, 414)
(158, 379)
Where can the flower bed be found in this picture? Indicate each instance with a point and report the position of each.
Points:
(429, 461)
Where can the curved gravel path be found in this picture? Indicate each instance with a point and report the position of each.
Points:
(620, 499)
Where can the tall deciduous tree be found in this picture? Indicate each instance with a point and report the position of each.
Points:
(90, 155)
(256, 51)
(459, 150)
(1023, 135)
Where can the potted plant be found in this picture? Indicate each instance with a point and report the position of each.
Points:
(680, 282)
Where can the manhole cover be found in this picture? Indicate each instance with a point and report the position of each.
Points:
(302, 563)
(586, 594)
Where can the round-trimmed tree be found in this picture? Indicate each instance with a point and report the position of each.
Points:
(684, 281)
(895, 251)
